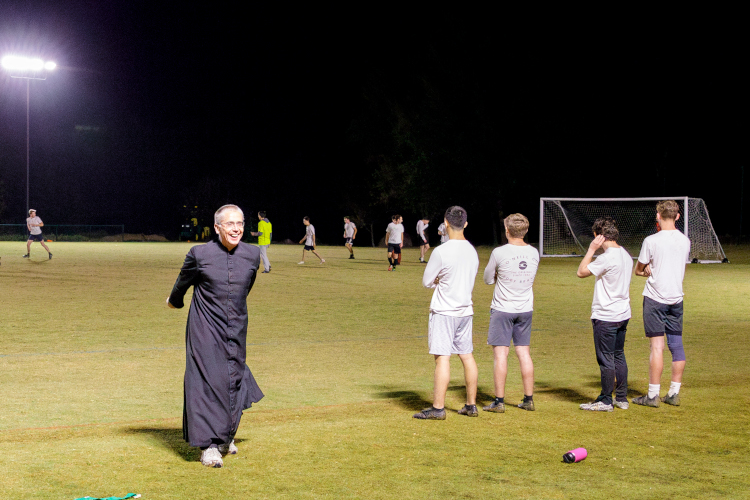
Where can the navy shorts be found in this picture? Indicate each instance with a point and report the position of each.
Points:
(36, 237)
(394, 248)
(659, 318)
(308, 247)
(506, 326)
(349, 241)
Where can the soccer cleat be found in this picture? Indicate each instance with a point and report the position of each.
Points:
(527, 405)
(390, 268)
(26, 256)
(673, 400)
(228, 449)
(495, 407)
(50, 256)
(430, 414)
(645, 401)
(351, 256)
(596, 406)
(623, 405)
(298, 263)
(469, 411)
(211, 457)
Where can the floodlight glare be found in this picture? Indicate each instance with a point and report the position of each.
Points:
(16, 63)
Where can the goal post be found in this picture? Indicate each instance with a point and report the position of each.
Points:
(565, 225)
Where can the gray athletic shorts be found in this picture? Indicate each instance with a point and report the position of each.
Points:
(659, 318)
(506, 326)
(450, 335)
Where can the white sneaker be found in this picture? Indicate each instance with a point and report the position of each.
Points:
(596, 406)
(322, 261)
(623, 405)
(211, 457)
(298, 263)
(228, 449)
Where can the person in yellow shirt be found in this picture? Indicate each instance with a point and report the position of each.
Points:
(264, 239)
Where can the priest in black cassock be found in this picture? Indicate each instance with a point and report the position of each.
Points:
(218, 383)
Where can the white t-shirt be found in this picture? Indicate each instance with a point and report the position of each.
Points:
(515, 267)
(455, 263)
(395, 230)
(309, 232)
(613, 270)
(667, 252)
(421, 226)
(349, 229)
(444, 236)
(34, 220)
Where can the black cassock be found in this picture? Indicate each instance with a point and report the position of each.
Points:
(218, 383)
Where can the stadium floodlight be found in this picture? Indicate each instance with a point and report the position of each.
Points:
(27, 68)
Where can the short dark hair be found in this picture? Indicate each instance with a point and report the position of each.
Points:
(607, 227)
(396, 217)
(456, 217)
(262, 214)
(306, 218)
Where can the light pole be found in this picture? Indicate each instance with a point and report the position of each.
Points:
(28, 69)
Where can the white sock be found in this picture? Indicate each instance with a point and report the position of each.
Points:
(674, 388)
(653, 390)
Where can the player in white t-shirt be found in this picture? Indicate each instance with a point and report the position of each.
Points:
(34, 225)
(350, 232)
(443, 233)
(309, 241)
(662, 260)
(610, 312)
(452, 271)
(424, 242)
(394, 238)
(512, 269)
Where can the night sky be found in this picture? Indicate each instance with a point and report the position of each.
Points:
(331, 112)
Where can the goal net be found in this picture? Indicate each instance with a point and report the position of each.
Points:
(565, 225)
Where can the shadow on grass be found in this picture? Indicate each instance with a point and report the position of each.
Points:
(171, 439)
(413, 401)
(409, 400)
(573, 395)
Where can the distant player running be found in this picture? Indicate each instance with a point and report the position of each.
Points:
(309, 241)
(34, 225)
(350, 232)
(394, 237)
(662, 260)
(264, 232)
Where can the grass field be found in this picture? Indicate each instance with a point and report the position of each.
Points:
(91, 365)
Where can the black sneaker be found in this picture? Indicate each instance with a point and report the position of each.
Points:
(645, 401)
(351, 256)
(26, 256)
(430, 414)
(495, 407)
(527, 405)
(469, 411)
(673, 400)
(50, 256)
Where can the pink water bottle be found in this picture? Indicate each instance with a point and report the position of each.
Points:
(575, 455)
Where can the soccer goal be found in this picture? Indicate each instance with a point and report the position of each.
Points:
(565, 225)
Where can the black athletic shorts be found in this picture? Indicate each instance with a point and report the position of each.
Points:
(36, 237)
(394, 248)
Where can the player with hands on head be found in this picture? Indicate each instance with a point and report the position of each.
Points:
(610, 312)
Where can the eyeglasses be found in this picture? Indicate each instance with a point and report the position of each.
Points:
(232, 225)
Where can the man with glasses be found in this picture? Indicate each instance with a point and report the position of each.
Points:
(218, 383)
